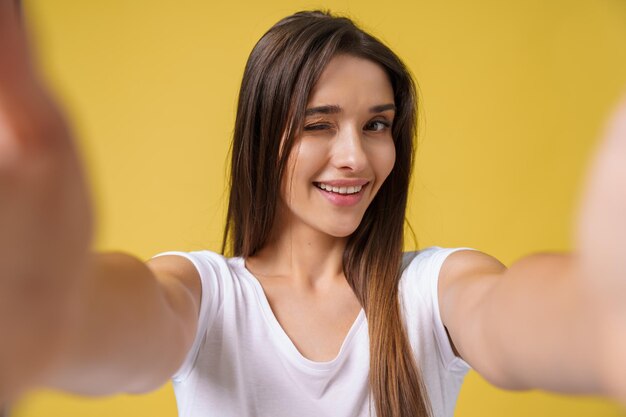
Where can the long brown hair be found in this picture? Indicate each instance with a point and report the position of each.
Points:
(280, 73)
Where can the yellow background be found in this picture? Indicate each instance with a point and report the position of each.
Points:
(514, 95)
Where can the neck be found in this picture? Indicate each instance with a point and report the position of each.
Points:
(309, 258)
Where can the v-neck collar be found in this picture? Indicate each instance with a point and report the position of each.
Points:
(285, 341)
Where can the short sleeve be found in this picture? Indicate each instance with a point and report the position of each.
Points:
(209, 271)
(422, 271)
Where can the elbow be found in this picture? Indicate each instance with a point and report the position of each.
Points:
(503, 381)
(501, 377)
(141, 388)
(167, 359)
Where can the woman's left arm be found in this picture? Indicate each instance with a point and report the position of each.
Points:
(552, 321)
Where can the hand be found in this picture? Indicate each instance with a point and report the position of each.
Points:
(601, 249)
(45, 216)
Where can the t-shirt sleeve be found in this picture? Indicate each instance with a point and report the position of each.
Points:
(424, 270)
(209, 271)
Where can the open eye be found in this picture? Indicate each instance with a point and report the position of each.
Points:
(378, 125)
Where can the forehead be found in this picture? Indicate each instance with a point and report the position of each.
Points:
(350, 80)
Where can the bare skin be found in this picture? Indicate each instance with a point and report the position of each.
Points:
(45, 214)
(56, 298)
(316, 321)
(601, 244)
(301, 267)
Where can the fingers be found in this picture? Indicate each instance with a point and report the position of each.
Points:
(14, 52)
(30, 120)
(32, 127)
(601, 245)
(616, 132)
(15, 77)
(9, 152)
(601, 223)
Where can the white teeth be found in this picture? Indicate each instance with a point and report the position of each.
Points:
(340, 190)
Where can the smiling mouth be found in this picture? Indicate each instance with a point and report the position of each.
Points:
(343, 190)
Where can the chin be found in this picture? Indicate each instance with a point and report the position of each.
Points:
(343, 230)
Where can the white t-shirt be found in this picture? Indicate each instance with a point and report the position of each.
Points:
(243, 364)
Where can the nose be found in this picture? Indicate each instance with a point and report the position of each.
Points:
(348, 151)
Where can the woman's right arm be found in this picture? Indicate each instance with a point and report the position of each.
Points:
(70, 319)
(136, 323)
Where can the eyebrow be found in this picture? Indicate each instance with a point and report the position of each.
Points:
(334, 109)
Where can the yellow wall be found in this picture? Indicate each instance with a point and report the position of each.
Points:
(514, 94)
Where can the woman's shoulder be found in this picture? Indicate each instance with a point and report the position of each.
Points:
(201, 258)
(206, 267)
(424, 265)
(419, 258)
(438, 268)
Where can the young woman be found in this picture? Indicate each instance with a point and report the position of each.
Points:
(316, 311)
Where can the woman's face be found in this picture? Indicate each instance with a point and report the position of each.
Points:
(344, 150)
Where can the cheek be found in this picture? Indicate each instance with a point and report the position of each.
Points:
(303, 164)
(310, 159)
(384, 159)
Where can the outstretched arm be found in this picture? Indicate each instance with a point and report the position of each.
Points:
(601, 247)
(552, 321)
(92, 324)
(528, 326)
(135, 324)
(45, 214)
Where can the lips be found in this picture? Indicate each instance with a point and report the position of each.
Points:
(346, 182)
(347, 194)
